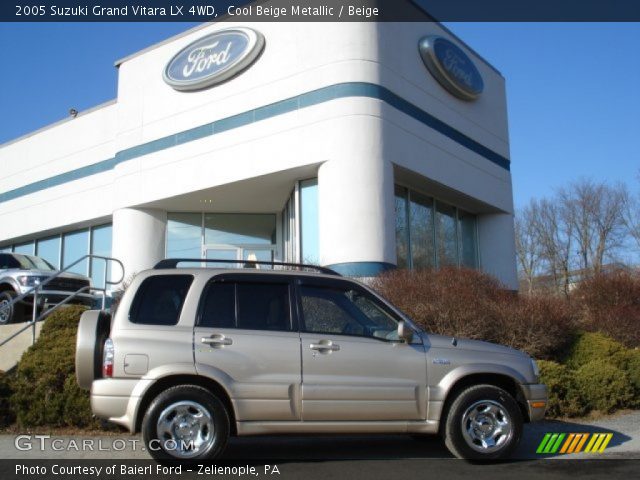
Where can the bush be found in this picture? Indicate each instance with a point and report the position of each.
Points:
(6, 414)
(629, 361)
(603, 386)
(45, 391)
(593, 346)
(564, 399)
(468, 303)
(610, 303)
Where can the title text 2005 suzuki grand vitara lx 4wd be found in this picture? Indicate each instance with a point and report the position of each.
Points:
(194, 355)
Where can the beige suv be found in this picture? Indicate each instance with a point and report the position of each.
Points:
(194, 355)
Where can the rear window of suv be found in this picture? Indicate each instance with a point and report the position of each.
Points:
(159, 300)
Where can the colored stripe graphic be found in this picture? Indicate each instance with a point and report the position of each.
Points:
(599, 442)
(570, 439)
(606, 441)
(551, 443)
(593, 440)
(543, 443)
(574, 442)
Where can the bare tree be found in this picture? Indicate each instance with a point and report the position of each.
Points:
(631, 217)
(595, 211)
(554, 234)
(527, 246)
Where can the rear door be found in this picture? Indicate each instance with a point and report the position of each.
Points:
(244, 329)
(354, 367)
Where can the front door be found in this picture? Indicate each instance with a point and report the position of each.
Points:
(354, 368)
(244, 330)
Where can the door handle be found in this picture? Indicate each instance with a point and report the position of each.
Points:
(217, 340)
(325, 346)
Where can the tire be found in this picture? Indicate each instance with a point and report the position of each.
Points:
(13, 313)
(197, 414)
(497, 420)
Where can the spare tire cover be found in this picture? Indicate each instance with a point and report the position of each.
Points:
(93, 330)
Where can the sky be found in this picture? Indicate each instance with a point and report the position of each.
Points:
(573, 90)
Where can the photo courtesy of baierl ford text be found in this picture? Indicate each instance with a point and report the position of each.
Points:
(305, 239)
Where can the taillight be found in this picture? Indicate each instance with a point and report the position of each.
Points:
(107, 358)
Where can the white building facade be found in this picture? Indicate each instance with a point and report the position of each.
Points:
(358, 146)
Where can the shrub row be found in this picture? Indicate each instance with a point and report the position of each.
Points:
(44, 386)
(467, 303)
(598, 374)
(610, 303)
(6, 412)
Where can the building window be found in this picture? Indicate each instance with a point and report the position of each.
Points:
(225, 236)
(446, 235)
(289, 230)
(309, 234)
(469, 239)
(431, 233)
(100, 245)
(421, 228)
(67, 248)
(184, 235)
(25, 248)
(74, 246)
(49, 249)
(239, 229)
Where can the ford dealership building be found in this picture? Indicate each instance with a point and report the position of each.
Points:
(358, 146)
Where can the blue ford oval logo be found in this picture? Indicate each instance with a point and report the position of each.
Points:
(451, 67)
(213, 59)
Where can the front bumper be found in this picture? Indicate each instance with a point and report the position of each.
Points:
(53, 297)
(537, 399)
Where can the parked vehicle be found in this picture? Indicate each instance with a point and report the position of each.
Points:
(20, 273)
(194, 355)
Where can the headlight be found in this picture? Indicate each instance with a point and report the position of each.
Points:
(536, 370)
(31, 280)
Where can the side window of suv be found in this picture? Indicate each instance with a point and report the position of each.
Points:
(159, 300)
(345, 311)
(246, 305)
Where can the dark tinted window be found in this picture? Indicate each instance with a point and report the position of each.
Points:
(347, 312)
(159, 300)
(8, 261)
(218, 308)
(263, 306)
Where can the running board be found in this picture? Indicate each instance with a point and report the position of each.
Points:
(298, 427)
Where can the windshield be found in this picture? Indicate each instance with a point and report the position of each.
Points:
(29, 262)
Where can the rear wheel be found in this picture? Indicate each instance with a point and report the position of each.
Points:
(10, 313)
(186, 423)
(484, 423)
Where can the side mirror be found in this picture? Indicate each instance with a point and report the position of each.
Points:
(404, 331)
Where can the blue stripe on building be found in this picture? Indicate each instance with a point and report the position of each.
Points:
(314, 97)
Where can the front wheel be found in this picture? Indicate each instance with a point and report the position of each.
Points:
(10, 313)
(186, 423)
(484, 423)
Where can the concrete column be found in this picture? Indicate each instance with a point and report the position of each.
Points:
(496, 239)
(139, 238)
(356, 203)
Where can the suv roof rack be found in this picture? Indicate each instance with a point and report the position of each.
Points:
(173, 263)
